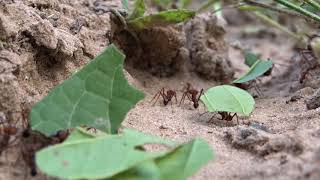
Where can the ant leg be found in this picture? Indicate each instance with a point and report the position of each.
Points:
(201, 93)
(305, 58)
(256, 87)
(182, 98)
(211, 119)
(164, 97)
(175, 96)
(189, 97)
(235, 115)
(157, 95)
(204, 113)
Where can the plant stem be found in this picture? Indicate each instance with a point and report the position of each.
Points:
(299, 9)
(275, 24)
(273, 8)
(206, 5)
(313, 3)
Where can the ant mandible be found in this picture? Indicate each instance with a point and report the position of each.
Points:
(226, 116)
(166, 96)
(192, 95)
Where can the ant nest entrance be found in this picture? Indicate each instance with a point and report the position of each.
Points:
(158, 50)
(163, 51)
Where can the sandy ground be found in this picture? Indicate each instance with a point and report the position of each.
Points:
(281, 119)
(280, 140)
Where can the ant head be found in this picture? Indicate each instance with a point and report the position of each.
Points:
(165, 102)
(196, 105)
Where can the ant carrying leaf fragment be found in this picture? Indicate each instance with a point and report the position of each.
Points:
(228, 99)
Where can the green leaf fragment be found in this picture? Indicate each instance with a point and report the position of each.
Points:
(138, 11)
(177, 164)
(81, 134)
(227, 98)
(147, 170)
(97, 96)
(185, 160)
(256, 70)
(250, 58)
(163, 18)
(116, 157)
(94, 158)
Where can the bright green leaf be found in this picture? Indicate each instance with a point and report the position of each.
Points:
(162, 19)
(250, 58)
(138, 11)
(177, 164)
(185, 160)
(256, 70)
(147, 170)
(97, 96)
(96, 158)
(81, 134)
(228, 99)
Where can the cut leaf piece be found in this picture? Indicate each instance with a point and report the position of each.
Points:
(177, 164)
(256, 70)
(147, 170)
(250, 58)
(98, 96)
(163, 18)
(228, 99)
(97, 158)
(138, 10)
(185, 160)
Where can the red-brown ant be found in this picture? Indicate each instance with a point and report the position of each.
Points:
(226, 116)
(166, 96)
(309, 57)
(192, 95)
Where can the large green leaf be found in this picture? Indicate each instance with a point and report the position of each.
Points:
(96, 158)
(228, 99)
(256, 70)
(163, 18)
(138, 10)
(177, 164)
(98, 96)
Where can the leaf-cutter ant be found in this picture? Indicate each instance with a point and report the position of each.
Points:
(192, 95)
(166, 96)
(226, 116)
